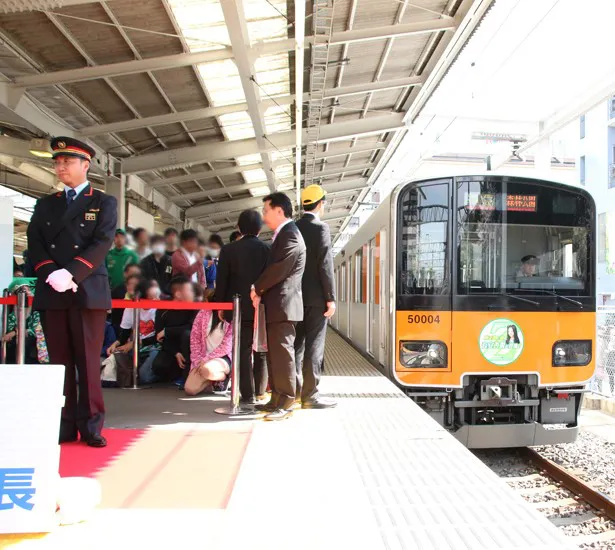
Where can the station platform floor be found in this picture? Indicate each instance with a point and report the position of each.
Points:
(374, 473)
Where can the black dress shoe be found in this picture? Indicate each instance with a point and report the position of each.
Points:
(96, 441)
(278, 414)
(249, 401)
(320, 403)
(267, 407)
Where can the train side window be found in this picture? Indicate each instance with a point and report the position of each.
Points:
(423, 239)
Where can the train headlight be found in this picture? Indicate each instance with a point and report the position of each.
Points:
(572, 353)
(423, 354)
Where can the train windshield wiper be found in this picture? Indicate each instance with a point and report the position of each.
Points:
(551, 293)
(526, 300)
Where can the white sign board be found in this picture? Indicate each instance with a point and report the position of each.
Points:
(31, 400)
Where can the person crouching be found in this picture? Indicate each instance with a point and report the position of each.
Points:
(211, 343)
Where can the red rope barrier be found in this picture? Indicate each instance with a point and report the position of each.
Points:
(146, 304)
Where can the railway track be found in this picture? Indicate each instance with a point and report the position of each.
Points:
(582, 512)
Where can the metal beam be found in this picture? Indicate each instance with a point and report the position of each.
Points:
(181, 116)
(299, 28)
(343, 151)
(370, 87)
(186, 59)
(238, 33)
(213, 151)
(220, 208)
(349, 184)
(122, 68)
(336, 170)
(210, 112)
(209, 174)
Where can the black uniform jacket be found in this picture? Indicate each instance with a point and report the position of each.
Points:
(241, 263)
(318, 281)
(280, 283)
(76, 238)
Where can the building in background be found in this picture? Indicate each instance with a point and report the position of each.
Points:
(596, 172)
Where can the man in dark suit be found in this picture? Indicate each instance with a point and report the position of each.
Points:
(318, 298)
(279, 286)
(241, 263)
(69, 236)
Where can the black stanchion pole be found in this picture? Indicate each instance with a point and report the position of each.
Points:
(136, 341)
(22, 302)
(234, 409)
(5, 321)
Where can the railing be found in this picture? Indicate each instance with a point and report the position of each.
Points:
(21, 301)
(603, 382)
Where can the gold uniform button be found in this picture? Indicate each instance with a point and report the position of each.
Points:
(76, 246)
(53, 246)
(81, 225)
(48, 223)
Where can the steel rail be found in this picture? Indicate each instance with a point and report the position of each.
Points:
(574, 484)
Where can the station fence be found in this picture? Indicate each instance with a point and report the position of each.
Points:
(603, 382)
(20, 301)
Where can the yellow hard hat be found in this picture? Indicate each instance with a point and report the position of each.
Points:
(312, 194)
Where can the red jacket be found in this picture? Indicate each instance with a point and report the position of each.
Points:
(181, 266)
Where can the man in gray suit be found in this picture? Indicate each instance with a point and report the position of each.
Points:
(279, 286)
(318, 298)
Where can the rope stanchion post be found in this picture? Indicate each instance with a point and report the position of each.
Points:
(234, 409)
(4, 320)
(136, 339)
(22, 303)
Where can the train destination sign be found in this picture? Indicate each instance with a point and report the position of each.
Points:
(514, 203)
(521, 203)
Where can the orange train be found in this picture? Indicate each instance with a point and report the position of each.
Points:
(477, 296)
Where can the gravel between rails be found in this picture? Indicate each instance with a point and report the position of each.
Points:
(591, 458)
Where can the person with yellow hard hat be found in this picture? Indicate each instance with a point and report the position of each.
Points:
(318, 289)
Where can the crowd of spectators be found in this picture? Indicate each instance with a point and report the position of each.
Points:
(191, 350)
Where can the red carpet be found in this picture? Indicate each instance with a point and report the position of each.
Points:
(79, 460)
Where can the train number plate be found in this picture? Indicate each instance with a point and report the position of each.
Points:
(424, 319)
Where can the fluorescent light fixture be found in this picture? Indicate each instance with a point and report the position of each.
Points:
(259, 191)
(40, 148)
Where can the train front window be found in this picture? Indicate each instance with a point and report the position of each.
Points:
(522, 238)
(423, 256)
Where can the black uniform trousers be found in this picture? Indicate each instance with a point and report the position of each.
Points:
(74, 339)
(282, 370)
(310, 351)
(252, 365)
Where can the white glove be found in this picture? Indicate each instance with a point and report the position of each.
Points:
(61, 280)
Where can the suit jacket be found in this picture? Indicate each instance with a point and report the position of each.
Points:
(280, 283)
(181, 266)
(318, 281)
(240, 264)
(77, 238)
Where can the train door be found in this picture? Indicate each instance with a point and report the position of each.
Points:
(372, 318)
(350, 283)
(382, 303)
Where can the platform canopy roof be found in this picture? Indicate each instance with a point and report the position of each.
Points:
(211, 104)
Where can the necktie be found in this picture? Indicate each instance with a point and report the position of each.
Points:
(70, 195)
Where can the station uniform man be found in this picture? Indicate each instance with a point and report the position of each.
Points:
(318, 289)
(69, 236)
